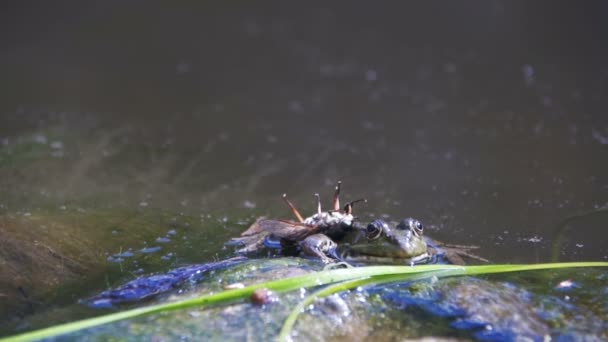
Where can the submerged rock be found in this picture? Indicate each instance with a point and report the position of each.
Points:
(459, 307)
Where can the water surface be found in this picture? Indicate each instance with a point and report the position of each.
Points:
(488, 123)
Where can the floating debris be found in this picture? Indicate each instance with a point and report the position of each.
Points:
(41, 139)
(149, 250)
(234, 286)
(57, 145)
(167, 256)
(126, 254)
(566, 285)
(248, 204)
(111, 258)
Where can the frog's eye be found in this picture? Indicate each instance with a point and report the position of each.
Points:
(412, 224)
(374, 229)
(417, 227)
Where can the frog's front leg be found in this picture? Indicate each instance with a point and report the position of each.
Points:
(319, 246)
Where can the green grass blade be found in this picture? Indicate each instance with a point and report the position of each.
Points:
(281, 285)
(348, 285)
(381, 279)
(289, 284)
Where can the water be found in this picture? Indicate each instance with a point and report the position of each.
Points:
(485, 122)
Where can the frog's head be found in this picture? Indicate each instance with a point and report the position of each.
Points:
(404, 241)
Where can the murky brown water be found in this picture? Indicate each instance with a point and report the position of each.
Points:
(485, 121)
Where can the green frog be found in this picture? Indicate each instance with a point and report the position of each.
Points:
(382, 242)
(335, 235)
(375, 243)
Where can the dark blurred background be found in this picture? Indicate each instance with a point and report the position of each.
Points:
(485, 119)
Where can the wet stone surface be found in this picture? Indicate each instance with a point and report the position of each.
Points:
(465, 307)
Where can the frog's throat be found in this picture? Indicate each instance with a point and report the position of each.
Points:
(419, 259)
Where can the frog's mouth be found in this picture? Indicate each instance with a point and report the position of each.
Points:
(385, 250)
(355, 256)
(381, 253)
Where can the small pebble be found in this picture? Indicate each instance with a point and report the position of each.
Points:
(263, 296)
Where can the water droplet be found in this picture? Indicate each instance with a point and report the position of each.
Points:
(56, 145)
(248, 204)
(371, 75)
